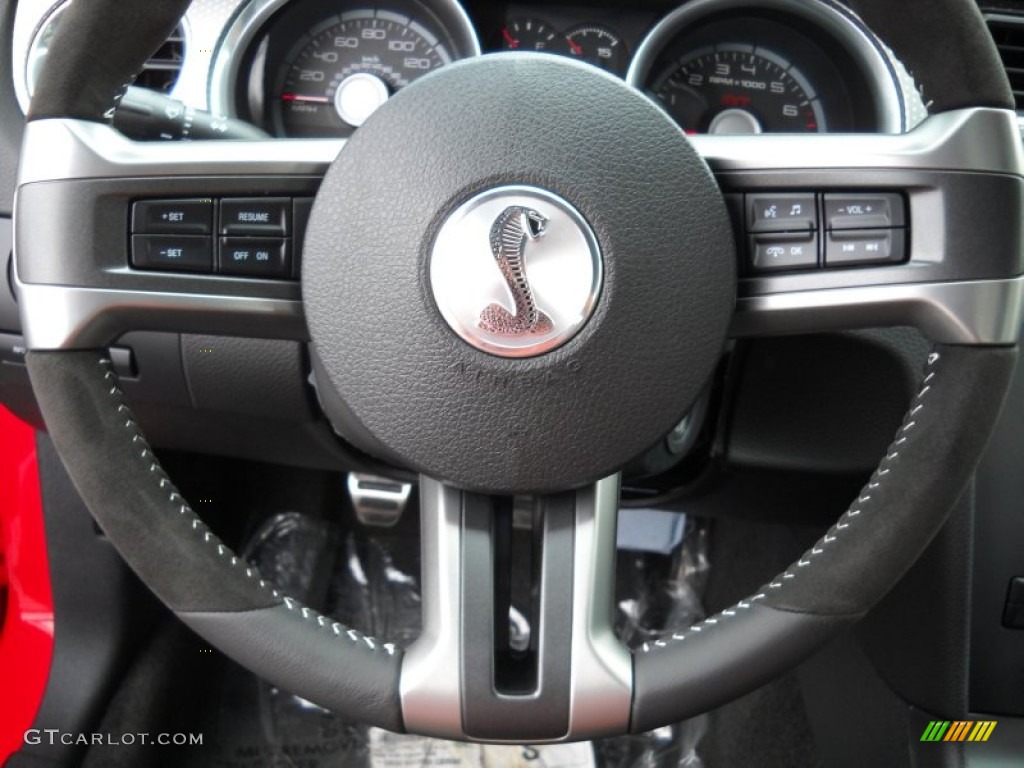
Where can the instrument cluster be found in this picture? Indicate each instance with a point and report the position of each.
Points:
(319, 68)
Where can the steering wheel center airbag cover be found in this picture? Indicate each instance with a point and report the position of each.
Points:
(408, 386)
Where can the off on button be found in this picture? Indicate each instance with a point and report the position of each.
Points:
(255, 257)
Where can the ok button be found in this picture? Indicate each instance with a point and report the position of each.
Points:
(790, 250)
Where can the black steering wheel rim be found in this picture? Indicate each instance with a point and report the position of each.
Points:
(225, 600)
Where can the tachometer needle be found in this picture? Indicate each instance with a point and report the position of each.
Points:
(512, 42)
(575, 47)
(300, 97)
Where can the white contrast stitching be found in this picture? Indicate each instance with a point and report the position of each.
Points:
(209, 537)
(833, 534)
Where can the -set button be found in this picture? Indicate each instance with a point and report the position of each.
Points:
(259, 216)
(188, 253)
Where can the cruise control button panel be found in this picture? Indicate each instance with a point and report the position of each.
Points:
(819, 229)
(238, 236)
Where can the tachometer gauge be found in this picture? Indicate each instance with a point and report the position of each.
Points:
(347, 67)
(739, 89)
(597, 45)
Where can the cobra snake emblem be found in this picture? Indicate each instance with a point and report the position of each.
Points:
(511, 231)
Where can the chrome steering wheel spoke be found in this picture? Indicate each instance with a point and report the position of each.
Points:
(466, 677)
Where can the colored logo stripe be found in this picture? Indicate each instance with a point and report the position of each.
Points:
(982, 730)
(958, 730)
(935, 731)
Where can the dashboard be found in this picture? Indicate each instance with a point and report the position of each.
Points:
(315, 69)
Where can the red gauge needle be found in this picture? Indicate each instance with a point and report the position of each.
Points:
(300, 97)
(512, 42)
(576, 48)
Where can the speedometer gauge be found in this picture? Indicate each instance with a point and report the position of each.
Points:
(739, 89)
(343, 70)
(320, 68)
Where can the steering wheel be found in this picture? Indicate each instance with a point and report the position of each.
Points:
(517, 297)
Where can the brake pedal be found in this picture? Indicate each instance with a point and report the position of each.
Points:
(378, 501)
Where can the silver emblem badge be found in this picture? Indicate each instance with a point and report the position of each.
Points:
(514, 228)
(516, 271)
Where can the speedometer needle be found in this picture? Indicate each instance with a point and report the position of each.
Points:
(512, 42)
(300, 97)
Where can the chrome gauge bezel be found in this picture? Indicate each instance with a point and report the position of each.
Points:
(843, 26)
(245, 29)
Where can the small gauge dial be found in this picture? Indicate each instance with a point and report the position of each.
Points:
(531, 35)
(739, 89)
(598, 46)
(346, 68)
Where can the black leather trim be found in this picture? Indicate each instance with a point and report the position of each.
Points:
(724, 657)
(297, 653)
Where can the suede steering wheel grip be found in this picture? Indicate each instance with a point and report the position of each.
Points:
(848, 570)
(187, 566)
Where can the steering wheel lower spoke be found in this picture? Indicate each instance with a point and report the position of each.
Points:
(564, 674)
